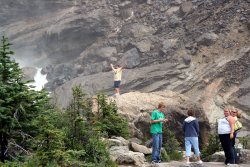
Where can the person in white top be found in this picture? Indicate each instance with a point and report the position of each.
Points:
(117, 77)
(226, 135)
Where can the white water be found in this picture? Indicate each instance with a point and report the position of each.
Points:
(40, 80)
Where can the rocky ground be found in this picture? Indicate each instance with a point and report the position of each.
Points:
(131, 153)
(205, 164)
(197, 48)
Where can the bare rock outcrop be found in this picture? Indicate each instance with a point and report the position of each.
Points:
(137, 107)
(122, 155)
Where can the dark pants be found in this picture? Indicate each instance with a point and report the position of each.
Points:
(117, 84)
(227, 145)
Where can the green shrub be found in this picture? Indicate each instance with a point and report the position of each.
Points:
(171, 145)
(176, 155)
(108, 120)
(213, 146)
(244, 142)
(164, 156)
(83, 139)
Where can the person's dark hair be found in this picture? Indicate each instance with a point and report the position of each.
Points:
(190, 112)
(161, 105)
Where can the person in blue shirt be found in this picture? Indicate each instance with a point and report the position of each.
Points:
(191, 132)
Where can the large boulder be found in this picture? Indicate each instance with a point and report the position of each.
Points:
(245, 156)
(117, 141)
(137, 107)
(217, 157)
(123, 156)
(140, 148)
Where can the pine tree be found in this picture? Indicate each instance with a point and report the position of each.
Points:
(76, 116)
(83, 138)
(19, 107)
(108, 120)
(49, 143)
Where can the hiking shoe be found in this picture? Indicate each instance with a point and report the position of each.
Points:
(188, 163)
(153, 162)
(199, 162)
(159, 161)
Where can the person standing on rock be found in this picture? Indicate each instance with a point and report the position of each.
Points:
(191, 131)
(157, 119)
(117, 77)
(226, 135)
(236, 115)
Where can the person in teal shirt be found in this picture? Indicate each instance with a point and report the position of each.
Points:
(157, 119)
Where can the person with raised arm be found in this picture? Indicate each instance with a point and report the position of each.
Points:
(117, 77)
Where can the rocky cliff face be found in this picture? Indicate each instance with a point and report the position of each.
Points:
(199, 48)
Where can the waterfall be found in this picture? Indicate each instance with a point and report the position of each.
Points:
(40, 80)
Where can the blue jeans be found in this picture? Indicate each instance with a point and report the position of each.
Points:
(156, 148)
(236, 159)
(189, 142)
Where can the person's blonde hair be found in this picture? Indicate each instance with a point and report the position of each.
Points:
(239, 113)
(232, 109)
